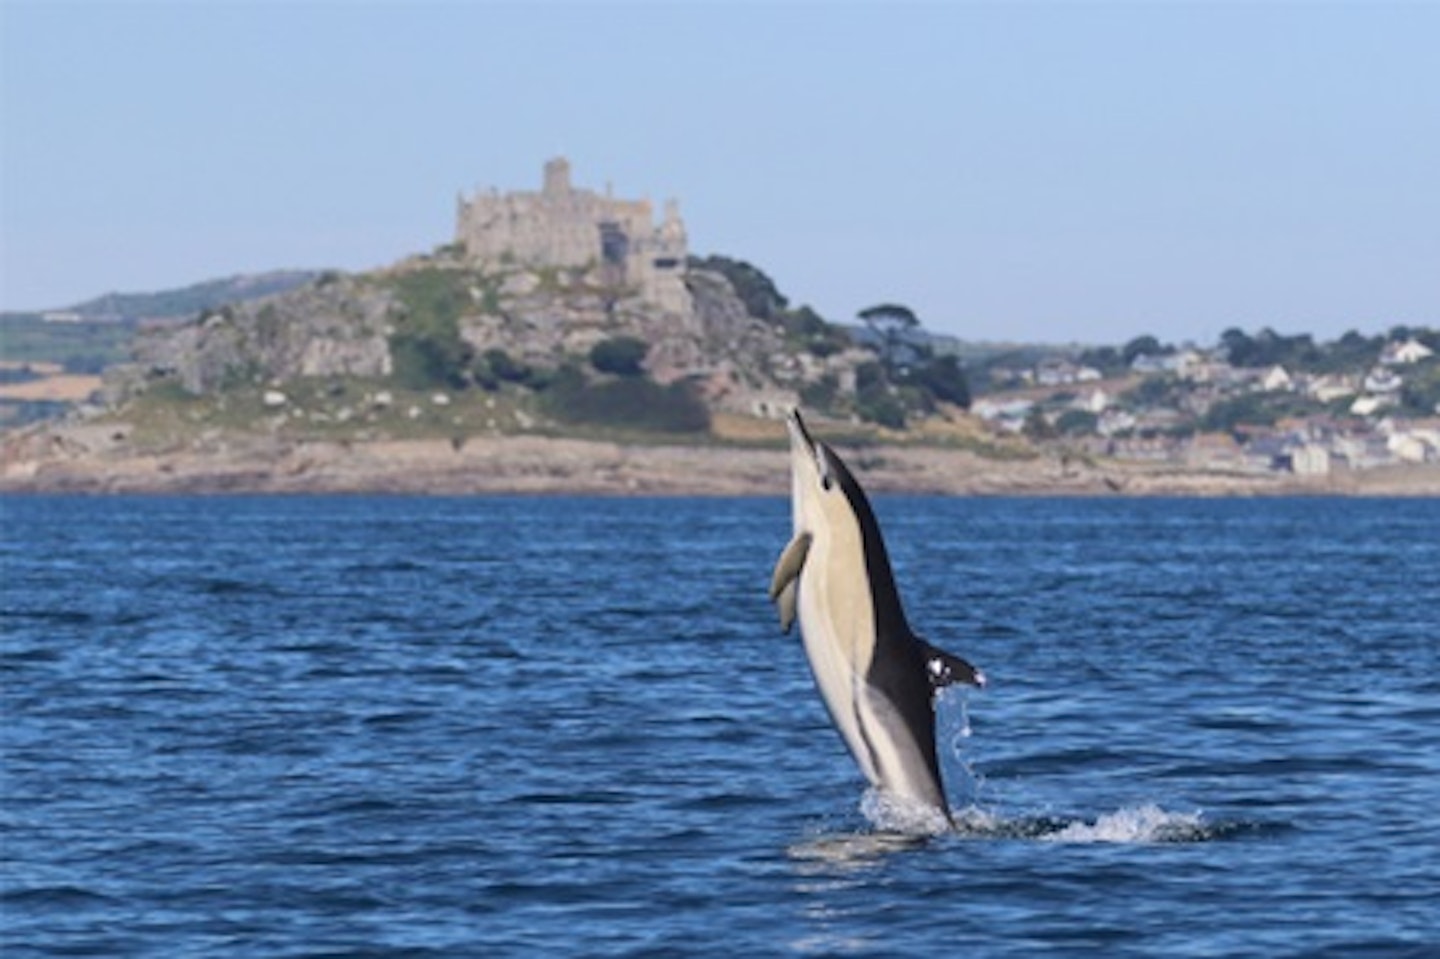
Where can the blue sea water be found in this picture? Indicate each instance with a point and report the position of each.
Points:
(289, 727)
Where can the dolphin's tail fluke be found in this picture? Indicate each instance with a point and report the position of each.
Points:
(944, 669)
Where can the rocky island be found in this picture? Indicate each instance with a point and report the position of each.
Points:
(566, 341)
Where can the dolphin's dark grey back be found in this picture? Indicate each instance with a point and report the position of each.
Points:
(898, 667)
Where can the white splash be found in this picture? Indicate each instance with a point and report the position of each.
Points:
(952, 698)
(953, 729)
(974, 822)
(1142, 824)
(897, 814)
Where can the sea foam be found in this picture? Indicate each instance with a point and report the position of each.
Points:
(1141, 824)
(896, 814)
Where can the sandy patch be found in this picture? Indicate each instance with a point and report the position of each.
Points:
(65, 388)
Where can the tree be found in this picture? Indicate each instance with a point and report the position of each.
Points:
(875, 401)
(620, 355)
(1351, 352)
(1237, 345)
(890, 322)
(1106, 359)
(756, 290)
(1140, 346)
(943, 378)
(808, 330)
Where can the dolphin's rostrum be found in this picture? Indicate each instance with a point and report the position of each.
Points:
(878, 679)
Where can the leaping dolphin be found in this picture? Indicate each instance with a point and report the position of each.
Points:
(878, 679)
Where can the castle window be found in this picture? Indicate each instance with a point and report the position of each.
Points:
(666, 263)
(614, 244)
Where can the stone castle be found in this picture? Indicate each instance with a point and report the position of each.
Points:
(564, 227)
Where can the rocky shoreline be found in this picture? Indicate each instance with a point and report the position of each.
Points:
(93, 459)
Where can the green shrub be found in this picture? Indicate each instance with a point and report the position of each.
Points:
(1253, 409)
(426, 349)
(1077, 423)
(495, 366)
(821, 394)
(1421, 393)
(420, 361)
(879, 405)
(631, 403)
(619, 355)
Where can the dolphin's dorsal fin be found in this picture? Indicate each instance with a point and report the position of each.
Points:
(943, 668)
(785, 581)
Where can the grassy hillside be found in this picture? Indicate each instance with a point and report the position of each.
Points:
(87, 346)
(189, 300)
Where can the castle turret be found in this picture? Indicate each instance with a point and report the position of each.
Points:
(557, 177)
(672, 230)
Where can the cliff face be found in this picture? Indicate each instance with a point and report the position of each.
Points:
(336, 326)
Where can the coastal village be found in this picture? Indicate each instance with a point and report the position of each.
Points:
(570, 312)
(1193, 407)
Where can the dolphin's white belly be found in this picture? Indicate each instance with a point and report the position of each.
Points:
(837, 626)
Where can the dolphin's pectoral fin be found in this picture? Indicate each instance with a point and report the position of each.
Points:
(785, 603)
(792, 560)
(943, 669)
(784, 584)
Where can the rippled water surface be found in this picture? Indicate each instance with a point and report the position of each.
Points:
(525, 727)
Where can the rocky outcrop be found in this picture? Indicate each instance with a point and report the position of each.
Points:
(741, 359)
(336, 326)
(343, 325)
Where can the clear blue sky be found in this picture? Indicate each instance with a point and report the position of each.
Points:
(1062, 171)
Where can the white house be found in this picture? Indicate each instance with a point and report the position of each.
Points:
(1410, 448)
(1096, 401)
(1310, 460)
(1381, 380)
(1412, 442)
(1189, 363)
(1009, 416)
(1330, 387)
(1411, 351)
(1370, 405)
(1114, 421)
(1276, 379)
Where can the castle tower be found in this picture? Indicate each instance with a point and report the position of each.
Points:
(557, 177)
(672, 231)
